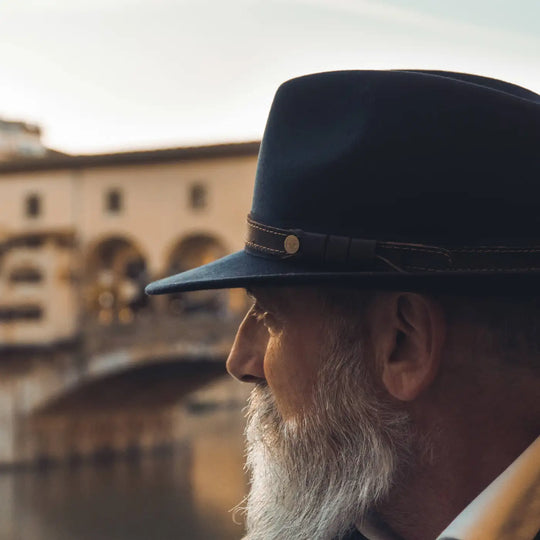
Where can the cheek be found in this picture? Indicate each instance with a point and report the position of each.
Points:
(290, 370)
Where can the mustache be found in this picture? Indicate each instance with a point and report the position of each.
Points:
(264, 422)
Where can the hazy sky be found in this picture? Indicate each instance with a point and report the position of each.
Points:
(104, 75)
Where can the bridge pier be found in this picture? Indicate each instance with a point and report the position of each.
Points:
(66, 437)
(8, 423)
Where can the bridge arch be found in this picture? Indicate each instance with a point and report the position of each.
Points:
(142, 385)
(115, 274)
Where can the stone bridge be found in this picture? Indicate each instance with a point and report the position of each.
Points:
(117, 388)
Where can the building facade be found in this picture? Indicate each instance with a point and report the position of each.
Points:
(80, 236)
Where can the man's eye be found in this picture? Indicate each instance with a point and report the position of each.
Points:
(270, 321)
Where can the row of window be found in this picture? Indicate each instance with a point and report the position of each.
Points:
(20, 313)
(26, 274)
(114, 201)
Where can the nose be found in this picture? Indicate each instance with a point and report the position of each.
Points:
(246, 359)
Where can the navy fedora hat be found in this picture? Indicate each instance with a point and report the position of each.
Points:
(405, 179)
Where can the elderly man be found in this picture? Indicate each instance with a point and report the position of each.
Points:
(393, 256)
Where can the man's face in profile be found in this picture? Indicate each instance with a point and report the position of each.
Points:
(324, 443)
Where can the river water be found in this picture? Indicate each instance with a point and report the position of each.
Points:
(182, 493)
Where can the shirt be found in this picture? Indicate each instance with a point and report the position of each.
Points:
(508, 509)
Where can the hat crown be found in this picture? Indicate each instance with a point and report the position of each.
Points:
(402, 155)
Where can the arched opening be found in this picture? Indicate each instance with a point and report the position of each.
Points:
(191, 252)
(115, 279)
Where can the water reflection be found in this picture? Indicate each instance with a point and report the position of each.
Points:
(182, 494)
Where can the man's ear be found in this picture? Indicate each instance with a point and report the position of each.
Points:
(410, 338)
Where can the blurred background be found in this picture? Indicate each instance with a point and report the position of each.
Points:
(129, 132)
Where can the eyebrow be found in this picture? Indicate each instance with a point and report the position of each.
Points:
(266, 301)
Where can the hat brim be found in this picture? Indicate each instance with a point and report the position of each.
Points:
(244, 270)
(240, 269)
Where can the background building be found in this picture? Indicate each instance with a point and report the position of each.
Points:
(20, 140)
(80, 236)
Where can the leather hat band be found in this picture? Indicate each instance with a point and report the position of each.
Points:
(360, 253)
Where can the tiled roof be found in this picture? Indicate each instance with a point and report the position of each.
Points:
(187, 153)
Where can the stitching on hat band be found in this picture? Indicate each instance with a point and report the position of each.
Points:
(263, 248)
(327, 249)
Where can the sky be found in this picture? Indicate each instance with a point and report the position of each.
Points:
(114, 75)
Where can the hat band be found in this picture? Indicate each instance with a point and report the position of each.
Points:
(333, 250)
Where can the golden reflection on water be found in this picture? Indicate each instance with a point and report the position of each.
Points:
(182, 494)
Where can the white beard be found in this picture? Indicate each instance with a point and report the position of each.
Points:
(317, 475)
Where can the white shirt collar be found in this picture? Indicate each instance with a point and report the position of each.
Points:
(508, 509)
